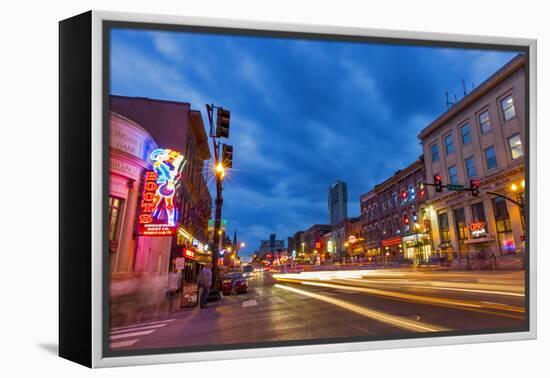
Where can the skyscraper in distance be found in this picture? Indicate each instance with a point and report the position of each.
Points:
(337, 202)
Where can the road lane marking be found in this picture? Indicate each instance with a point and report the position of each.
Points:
(250, 303)
(122, 344)
(139, 328)
(142, 324)
(393, 320)
(132, 334)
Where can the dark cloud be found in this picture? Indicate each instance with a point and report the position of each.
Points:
(304, 113)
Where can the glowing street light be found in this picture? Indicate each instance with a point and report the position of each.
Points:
(243, 245)
(514, 187)
(220, 170)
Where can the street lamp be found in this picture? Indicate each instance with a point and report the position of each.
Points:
(243, 245)
(221, 130)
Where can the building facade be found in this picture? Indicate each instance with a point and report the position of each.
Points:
(271, 246)
(312, 243)
(347, 239)
(337, 202)
(480, 138)
(394, 216)
(159, 204)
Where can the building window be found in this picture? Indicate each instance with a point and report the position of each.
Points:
(449, 146)
(461, 228)
(507, 107)
(435, 152)
(478, 212)
(484, 122)
(444, 228)
(465, 132)
(515, 146)
(115, 209)
(453, 175)
(491, 157)
(470, 167)
(504, 226)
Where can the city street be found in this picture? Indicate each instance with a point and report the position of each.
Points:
(333, 304)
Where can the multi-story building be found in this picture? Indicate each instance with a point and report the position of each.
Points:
(347, 238)
(394, 213)
(271, 246)
(481, 137)
(174, 126)
(337, 202)
(312, 243)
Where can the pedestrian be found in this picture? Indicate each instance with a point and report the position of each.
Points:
(205, 281)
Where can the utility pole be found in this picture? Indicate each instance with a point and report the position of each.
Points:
(220, 164)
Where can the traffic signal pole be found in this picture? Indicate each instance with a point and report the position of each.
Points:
(218, 202)
(222, 131)
(464, 189)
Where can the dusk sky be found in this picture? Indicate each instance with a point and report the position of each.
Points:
(304, 113)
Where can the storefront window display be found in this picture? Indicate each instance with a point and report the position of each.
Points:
(461, 228)
(444, 230)
(504, 226)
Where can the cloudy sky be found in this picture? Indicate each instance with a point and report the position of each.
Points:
(304, 113)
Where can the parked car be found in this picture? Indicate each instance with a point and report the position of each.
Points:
(234, 283)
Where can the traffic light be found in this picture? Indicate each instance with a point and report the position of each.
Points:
(438, 183)
(222, 123)
(227, 156)
(406, 219)
(421, 189)
(415, 216)
(474, 187)
(404, 194)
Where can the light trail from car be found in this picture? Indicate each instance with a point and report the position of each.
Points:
(396, 321)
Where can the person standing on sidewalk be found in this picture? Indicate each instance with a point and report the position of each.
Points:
(205, 281)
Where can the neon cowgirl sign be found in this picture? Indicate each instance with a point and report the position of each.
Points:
(158, 213)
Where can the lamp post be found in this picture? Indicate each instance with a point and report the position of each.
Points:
(221, 163)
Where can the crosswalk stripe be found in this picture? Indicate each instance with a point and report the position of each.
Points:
(138, 328)
(125, 343)
(132, 334)
(250, 303)
(142, 324)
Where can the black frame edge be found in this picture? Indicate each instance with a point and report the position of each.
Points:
(75, 171)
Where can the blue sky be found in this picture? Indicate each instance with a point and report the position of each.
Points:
(304, 113)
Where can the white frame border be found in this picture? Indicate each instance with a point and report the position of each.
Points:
(97, 196)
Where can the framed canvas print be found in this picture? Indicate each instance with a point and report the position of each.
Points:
(233, 189)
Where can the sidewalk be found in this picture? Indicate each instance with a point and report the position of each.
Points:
(506, 263)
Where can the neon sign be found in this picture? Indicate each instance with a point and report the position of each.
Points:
(478, 229)
(158, 213)
(189, 253)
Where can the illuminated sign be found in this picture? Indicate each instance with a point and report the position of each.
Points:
(158, 213)
(329, 246)
(478, 229)
(318, 244)
(390, 242)
(189, 253)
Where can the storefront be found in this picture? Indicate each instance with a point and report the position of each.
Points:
(392, 247)
(417, 247)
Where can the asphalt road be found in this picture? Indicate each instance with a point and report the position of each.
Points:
(326, 305)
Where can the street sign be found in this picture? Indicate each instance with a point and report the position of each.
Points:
(455, 187)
